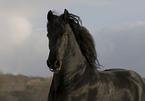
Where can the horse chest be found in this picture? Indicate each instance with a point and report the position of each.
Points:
(77, 94)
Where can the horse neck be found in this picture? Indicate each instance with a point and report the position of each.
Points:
(74, 62)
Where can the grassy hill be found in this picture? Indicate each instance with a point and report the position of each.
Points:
(23, 88)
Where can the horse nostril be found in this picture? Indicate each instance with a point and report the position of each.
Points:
(57, 63)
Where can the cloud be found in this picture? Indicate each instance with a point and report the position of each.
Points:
(13, 32)
(23, 47)
(94, 2)
(19, 29)
(70, 2)
(122, 46)
(28, 57)
(31, 8)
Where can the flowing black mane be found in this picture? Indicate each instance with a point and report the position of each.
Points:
(84, 40)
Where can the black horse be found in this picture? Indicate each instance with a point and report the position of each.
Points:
(73, 60)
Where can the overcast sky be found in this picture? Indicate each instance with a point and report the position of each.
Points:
(118, 28)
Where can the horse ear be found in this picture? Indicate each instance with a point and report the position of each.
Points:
(49, 15)
(66, 16)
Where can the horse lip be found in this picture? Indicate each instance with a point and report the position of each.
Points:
(55, 70)
(58, 69)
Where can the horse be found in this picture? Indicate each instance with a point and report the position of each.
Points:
(75, 66)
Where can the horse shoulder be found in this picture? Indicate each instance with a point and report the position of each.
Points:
(140, 84)
(135, 82)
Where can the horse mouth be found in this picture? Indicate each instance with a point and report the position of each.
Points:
(55, 70)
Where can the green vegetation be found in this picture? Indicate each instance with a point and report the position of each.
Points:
(23, 88)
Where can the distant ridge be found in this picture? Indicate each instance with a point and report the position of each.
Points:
(23, 88)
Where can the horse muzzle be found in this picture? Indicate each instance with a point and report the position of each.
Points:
(54, 66)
